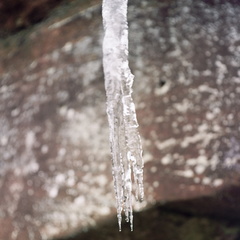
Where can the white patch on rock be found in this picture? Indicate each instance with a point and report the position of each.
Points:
(206, 181)
(199, 169)
(53, 191)
(163, 90)
(4, 140)
(44, 149)
(153, 169)
(167, 159)
(188, 173)
(204, 137)
(166, 144)
(101, 180)
(217, 182)
(155, 184)
(67, 47)
(30, 140)
(147, 157)
(80, 201)
(104, 211)
(15, 112)
(51, 71)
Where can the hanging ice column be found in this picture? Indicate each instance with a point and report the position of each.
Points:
(125, 141)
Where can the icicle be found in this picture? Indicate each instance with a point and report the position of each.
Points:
(125, 141)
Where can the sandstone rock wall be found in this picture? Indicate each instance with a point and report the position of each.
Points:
(55, 158)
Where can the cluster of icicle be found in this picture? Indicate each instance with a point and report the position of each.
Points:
(125, 141)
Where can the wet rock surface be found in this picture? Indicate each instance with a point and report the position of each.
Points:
(55, 158)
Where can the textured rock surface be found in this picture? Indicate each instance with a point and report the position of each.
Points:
(55, 161)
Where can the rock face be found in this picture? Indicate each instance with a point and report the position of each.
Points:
(55, 157)
(161, 223)
(19, 14)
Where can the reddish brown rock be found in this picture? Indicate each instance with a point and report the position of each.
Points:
(55, 157)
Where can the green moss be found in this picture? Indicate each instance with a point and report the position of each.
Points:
(230, 230)
(198, 229)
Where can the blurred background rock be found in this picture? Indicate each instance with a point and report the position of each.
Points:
(55, 163)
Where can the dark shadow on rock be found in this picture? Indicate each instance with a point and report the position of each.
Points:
(217, 2)
(206, 218)
(225, 205)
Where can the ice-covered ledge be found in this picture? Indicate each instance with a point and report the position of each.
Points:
(55, 158)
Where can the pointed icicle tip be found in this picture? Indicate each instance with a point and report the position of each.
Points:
(120, 225)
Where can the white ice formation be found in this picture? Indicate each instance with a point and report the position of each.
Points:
(125, 141)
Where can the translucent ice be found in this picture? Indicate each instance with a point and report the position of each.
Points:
(125, 141)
